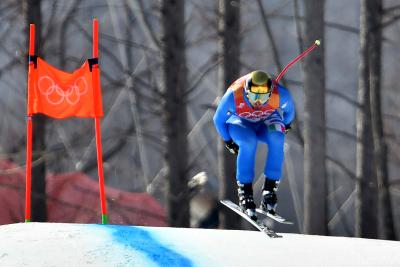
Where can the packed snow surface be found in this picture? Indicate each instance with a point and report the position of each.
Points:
(57, 244)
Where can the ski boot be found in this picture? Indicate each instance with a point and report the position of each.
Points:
(269, 198)
(246, 200)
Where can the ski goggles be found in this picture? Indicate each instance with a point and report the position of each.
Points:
(262, 97)
(259, 89)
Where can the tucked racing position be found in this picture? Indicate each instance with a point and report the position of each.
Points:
(255, 109)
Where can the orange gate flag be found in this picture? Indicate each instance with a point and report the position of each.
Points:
(60, 94)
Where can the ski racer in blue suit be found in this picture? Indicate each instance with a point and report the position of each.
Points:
(255, 108)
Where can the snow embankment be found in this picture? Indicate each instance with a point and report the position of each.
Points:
(56, 244)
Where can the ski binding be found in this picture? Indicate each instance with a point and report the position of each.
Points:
(274, 217)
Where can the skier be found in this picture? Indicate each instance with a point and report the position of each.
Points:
(255, 108)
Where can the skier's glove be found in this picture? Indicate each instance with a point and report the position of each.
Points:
(232, 147)
(288, 127)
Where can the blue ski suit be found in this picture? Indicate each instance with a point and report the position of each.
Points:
(235, 119)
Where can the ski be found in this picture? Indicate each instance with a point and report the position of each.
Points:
(259, 224)
(274, 217)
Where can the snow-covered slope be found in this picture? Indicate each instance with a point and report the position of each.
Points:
(55, 244)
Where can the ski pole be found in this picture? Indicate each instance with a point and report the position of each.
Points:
(294, 61)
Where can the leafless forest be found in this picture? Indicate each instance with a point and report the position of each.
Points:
(164, 65)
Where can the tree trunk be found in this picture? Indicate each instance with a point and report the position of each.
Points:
(228, 71)
(315, 192)
(366, 187)
(380, 148)
(32, 13)
(174, 111)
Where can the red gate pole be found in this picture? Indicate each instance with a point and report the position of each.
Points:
(294, 61)
(28, 171)
(99, 151)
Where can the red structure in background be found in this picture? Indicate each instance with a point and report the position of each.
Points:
(74, 198)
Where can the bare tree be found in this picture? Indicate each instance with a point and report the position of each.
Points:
(315, 191)
(228, 71)
(174, 73)
(380, 147)
(366, 187)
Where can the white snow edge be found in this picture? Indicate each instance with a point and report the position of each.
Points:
(57, 244)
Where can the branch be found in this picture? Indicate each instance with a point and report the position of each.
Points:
(391, 9)
(342, 133)
(340, 213)
(91, 164)
(393, 117)
(128, 43)
(10, 65)
(63, 32)
(138, 9)
(50, 25)
(13, 8)
(202, 72)
(343, 96)
(104, 49)
(333, 25)
(342, 167)
(392, 19)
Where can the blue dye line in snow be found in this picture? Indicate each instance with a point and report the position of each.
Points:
(141, 240)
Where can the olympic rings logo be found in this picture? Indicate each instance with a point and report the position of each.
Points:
(258, 114)
(55, 95)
